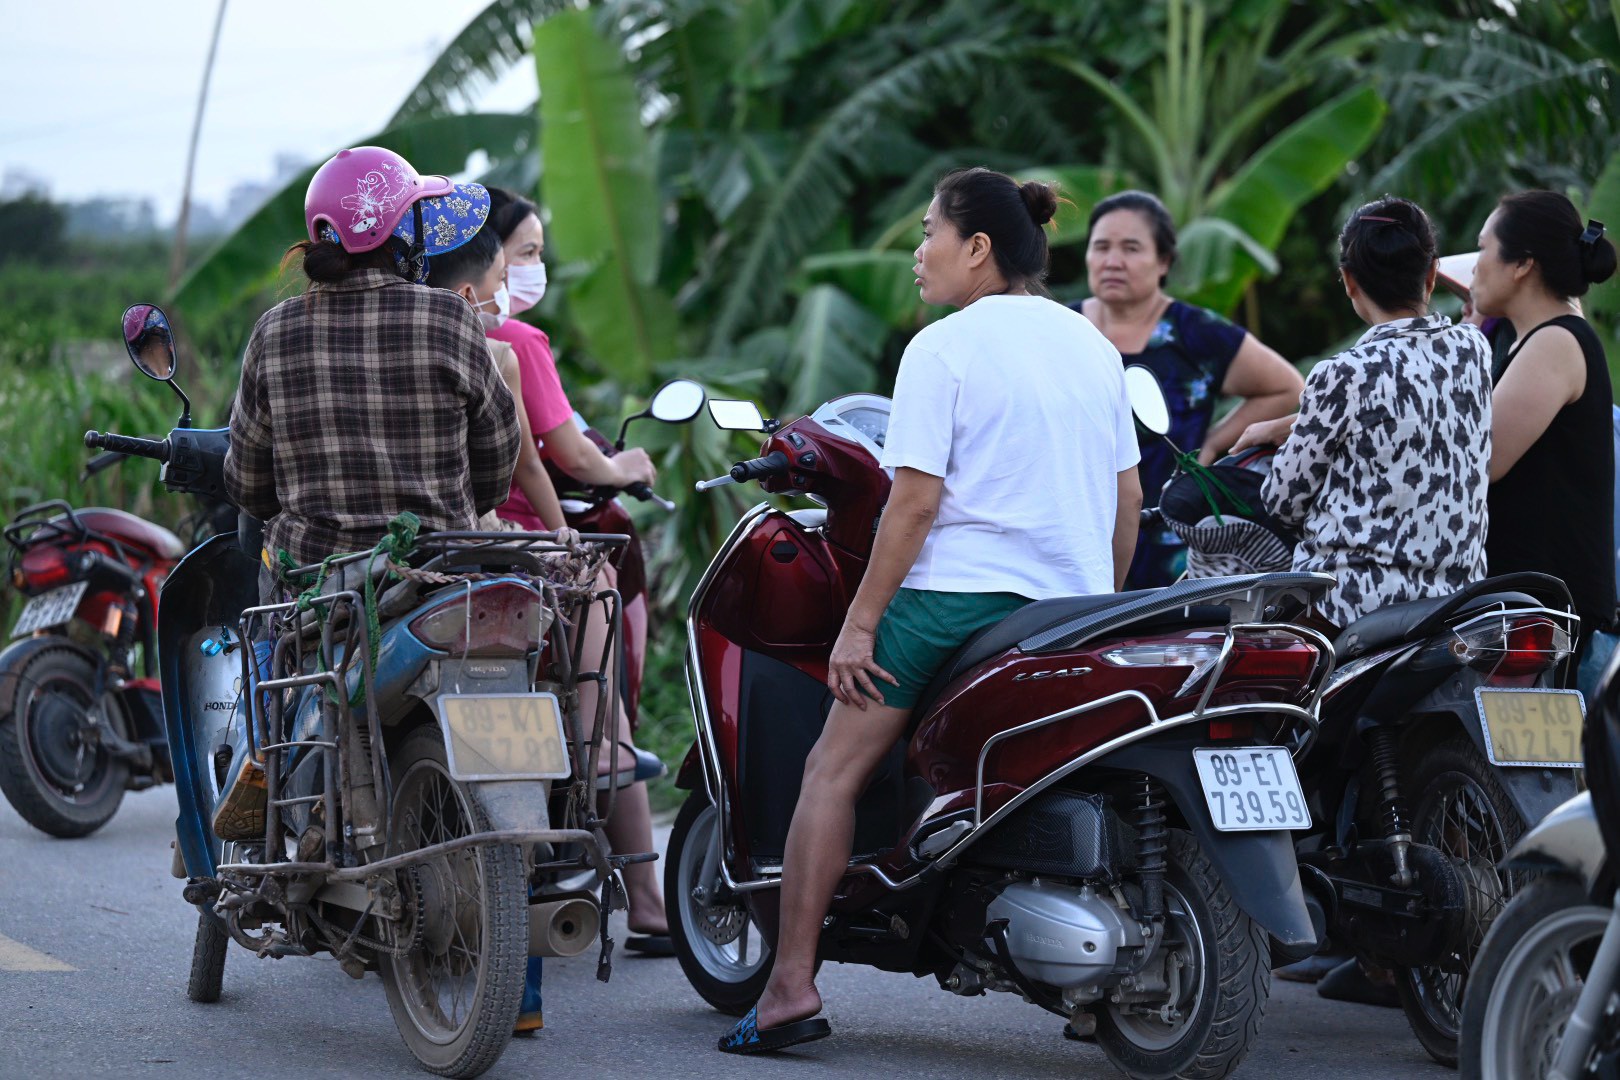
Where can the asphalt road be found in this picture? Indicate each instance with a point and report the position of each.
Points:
(95, 944)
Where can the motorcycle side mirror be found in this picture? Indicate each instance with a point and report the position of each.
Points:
(1147, 399)
(737, 416)
(149, 339)
(676, 402)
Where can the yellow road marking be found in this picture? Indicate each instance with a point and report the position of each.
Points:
(15, 956)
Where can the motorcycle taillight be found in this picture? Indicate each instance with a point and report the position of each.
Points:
(1287, 658)
(1270, 659)
(1527, 645)
(1532, 646)
(43, 568)
(505, 618)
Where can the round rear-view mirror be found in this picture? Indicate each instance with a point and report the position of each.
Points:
(1147, 399)
(677, 401)
(150, 341)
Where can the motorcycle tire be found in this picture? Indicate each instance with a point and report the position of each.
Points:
(45, 693)
(1233, 958)
(472, 899)
(1516, 1036)
(208, 959)
(1431, 996)
(712, 940)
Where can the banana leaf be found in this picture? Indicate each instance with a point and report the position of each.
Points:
(492, 43)
(882, 282)
(247, 260)
(602, 196)
(834, 346)
(1296, 166)
(1214, 252)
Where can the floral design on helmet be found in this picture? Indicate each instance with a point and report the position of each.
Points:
(376, 194)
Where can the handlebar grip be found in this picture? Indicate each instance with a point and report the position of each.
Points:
(647, 494)
(156, 449)
(760, 467)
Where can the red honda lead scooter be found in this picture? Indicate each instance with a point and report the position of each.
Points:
(1091, 808)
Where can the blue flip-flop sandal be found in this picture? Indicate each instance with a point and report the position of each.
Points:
(749, 1038)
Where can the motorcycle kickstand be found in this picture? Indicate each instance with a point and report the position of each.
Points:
(613, 898)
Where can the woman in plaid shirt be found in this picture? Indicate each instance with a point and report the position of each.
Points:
(371, 394)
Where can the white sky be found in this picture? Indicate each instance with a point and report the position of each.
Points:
(99, 95)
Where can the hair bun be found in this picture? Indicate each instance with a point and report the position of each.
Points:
(1040, 199)
(1598, 260)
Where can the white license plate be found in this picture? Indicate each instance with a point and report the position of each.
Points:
(50, 609)
(504, 736)
(1251, 788)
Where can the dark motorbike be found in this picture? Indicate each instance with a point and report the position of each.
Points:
(1091, 809)
(1445, 734)
(81, 719)
(1544, 1000)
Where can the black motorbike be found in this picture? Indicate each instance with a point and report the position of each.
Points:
(1446, 732)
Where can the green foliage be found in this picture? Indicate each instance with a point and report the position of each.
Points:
(1262, 197)
(43, 418)
(80, 294)
(1520, 98)
(33, 228)
(1211, 93)
(602, 198)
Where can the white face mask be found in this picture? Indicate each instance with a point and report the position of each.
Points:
(503, 308)
(528, 285)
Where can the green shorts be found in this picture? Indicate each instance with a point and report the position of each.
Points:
(921, 630)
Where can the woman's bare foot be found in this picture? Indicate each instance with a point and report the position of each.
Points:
(777, 1008)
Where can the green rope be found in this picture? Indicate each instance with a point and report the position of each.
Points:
(1209, 482)
(397, 543)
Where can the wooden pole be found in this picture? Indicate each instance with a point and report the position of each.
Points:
(177, 260)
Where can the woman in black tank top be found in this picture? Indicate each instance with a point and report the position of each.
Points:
(1552, 461)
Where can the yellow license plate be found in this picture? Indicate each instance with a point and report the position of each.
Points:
(504, 736)
(1532, 727)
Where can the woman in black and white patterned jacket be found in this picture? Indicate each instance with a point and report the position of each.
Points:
(1386, 466)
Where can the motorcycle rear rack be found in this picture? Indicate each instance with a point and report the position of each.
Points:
(341, 638)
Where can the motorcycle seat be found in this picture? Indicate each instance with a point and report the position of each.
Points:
(127, 528)
(1032, 619)
(1393, 624)
(1067, 622)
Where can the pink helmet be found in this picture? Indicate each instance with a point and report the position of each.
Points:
(135, 321)
(363, 196)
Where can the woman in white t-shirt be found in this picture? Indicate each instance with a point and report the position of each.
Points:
(1014, 456)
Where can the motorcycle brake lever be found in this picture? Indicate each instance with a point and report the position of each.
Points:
(719, 481)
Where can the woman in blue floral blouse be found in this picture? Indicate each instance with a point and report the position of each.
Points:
(1198, 357)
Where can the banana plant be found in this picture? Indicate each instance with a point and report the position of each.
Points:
(1211, 95)
(604, 208)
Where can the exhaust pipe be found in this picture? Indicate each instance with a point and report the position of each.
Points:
(562, 927)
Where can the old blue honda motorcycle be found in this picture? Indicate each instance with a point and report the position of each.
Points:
(389, 765)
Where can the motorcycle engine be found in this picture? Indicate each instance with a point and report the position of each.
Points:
(1061, 935)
